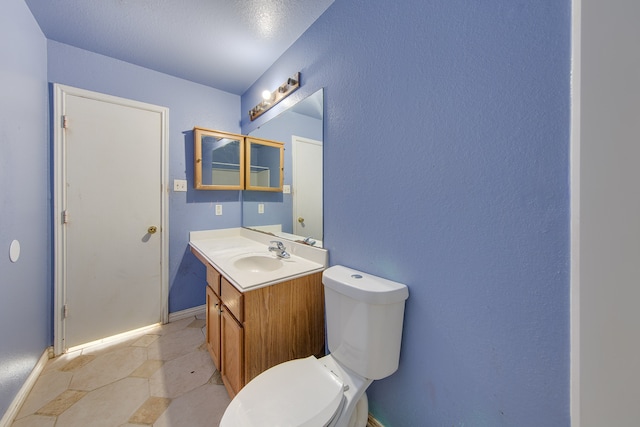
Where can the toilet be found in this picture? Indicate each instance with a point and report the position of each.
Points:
(364, 329)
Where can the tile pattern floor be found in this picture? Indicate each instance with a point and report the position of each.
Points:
(162, 378)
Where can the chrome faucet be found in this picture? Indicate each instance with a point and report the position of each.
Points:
(309, 241)
(279, 248)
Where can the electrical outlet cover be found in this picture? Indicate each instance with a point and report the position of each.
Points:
(179, 185)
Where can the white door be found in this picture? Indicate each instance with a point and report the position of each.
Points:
(110, 243)
(307, 187)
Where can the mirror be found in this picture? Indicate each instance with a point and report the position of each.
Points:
(265, 164)
(218, 161)
(296, 212)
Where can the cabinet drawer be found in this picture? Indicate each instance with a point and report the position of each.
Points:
(232, 298)
(213, 279)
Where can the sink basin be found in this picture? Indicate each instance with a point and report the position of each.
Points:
(257, 263)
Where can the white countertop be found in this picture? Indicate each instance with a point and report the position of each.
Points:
(223, 247)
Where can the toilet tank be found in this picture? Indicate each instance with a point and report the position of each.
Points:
(364, 320)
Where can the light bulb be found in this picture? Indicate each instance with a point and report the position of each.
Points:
(266, 95)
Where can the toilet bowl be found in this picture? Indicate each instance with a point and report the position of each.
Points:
(364, 325)
(302, 392)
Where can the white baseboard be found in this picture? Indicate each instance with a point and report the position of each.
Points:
(14, 407)
(189, 312)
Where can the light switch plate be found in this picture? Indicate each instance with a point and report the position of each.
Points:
(260, 208)
(286, 189)
(218, 209)
(179, 185)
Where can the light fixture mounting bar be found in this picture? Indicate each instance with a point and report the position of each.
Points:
(284, 90)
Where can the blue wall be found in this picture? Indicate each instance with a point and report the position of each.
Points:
(462, 108)
(190, 105)
(25, 286)
(446, 168)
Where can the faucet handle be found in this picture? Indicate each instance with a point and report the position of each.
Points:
(278, 244)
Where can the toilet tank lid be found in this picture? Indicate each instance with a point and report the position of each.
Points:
(363, 286)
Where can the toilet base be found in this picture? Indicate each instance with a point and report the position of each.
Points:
(356, 405)
(358, 418)
(360, 414)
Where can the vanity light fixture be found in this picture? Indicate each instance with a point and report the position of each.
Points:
(269, 99)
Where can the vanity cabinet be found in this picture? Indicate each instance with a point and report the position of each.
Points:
(227, 161)
(249, 332)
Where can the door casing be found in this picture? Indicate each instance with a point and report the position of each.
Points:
(59, 173)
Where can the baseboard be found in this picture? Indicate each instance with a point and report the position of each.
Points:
(16, 404)
(372, 422)
(189, 312)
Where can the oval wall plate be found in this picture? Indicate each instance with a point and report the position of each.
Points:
(14, 251)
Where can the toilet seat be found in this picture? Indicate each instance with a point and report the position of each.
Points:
(298, 393)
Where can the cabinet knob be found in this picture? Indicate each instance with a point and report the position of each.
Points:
(300, 219)
(152, 229)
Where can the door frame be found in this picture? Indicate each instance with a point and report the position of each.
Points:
(59, 196)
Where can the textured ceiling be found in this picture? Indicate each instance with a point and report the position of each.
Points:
(225, 44)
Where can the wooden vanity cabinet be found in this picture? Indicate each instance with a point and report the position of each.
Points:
(249, 332)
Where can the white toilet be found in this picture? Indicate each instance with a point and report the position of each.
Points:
(364, 328)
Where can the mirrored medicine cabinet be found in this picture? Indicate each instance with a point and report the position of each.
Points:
(227, 161)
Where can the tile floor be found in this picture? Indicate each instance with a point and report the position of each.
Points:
(162, 378)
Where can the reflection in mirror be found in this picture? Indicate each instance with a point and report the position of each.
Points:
(296, 212)
(265, 164)
(224, 164)
(218, 163)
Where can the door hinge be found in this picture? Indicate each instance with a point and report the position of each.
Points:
(65, 122)
(65, 217)
(65, 311)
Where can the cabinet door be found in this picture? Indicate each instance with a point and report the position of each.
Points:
(232, 353)
(264, 165)
(213, 326)
(218, 160)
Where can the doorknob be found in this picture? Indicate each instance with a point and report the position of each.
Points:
(300, 219)
(152, 229)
